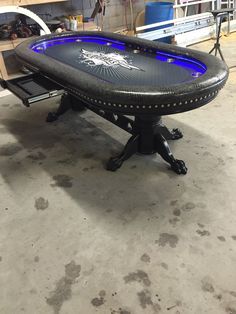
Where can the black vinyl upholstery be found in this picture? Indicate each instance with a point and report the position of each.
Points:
(125, 96)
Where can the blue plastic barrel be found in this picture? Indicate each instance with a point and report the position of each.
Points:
(159, 12)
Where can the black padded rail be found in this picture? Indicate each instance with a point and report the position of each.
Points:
(127, 98)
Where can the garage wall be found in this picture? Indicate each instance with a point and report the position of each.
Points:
(115, 11)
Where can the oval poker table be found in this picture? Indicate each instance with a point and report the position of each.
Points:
(118, 76)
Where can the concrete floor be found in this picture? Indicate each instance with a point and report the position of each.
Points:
(76, 239)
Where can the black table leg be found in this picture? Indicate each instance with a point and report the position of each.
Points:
(163, 149)
(173, 134)
(130, 149)
(67, 102)
(150, 137)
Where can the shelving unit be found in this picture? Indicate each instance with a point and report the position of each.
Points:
(6, 45)
(27, 2)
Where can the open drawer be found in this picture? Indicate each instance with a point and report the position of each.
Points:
(32, 88)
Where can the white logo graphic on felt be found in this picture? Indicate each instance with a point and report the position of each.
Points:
(112, 59)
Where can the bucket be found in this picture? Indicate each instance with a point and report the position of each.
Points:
(159, 12)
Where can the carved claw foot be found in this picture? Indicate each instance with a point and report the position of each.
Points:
(162, 148)
(178, 166)
(176, 134)
(173, 134)
(130, 149)
(114, 163)
(51, 117)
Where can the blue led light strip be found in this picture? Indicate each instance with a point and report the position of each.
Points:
(196, 66)
(42, 46)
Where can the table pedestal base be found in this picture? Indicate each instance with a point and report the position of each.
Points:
(150, 136)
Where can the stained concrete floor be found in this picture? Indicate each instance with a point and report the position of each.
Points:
(76, 239)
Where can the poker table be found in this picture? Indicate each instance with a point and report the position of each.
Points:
(129, 81)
